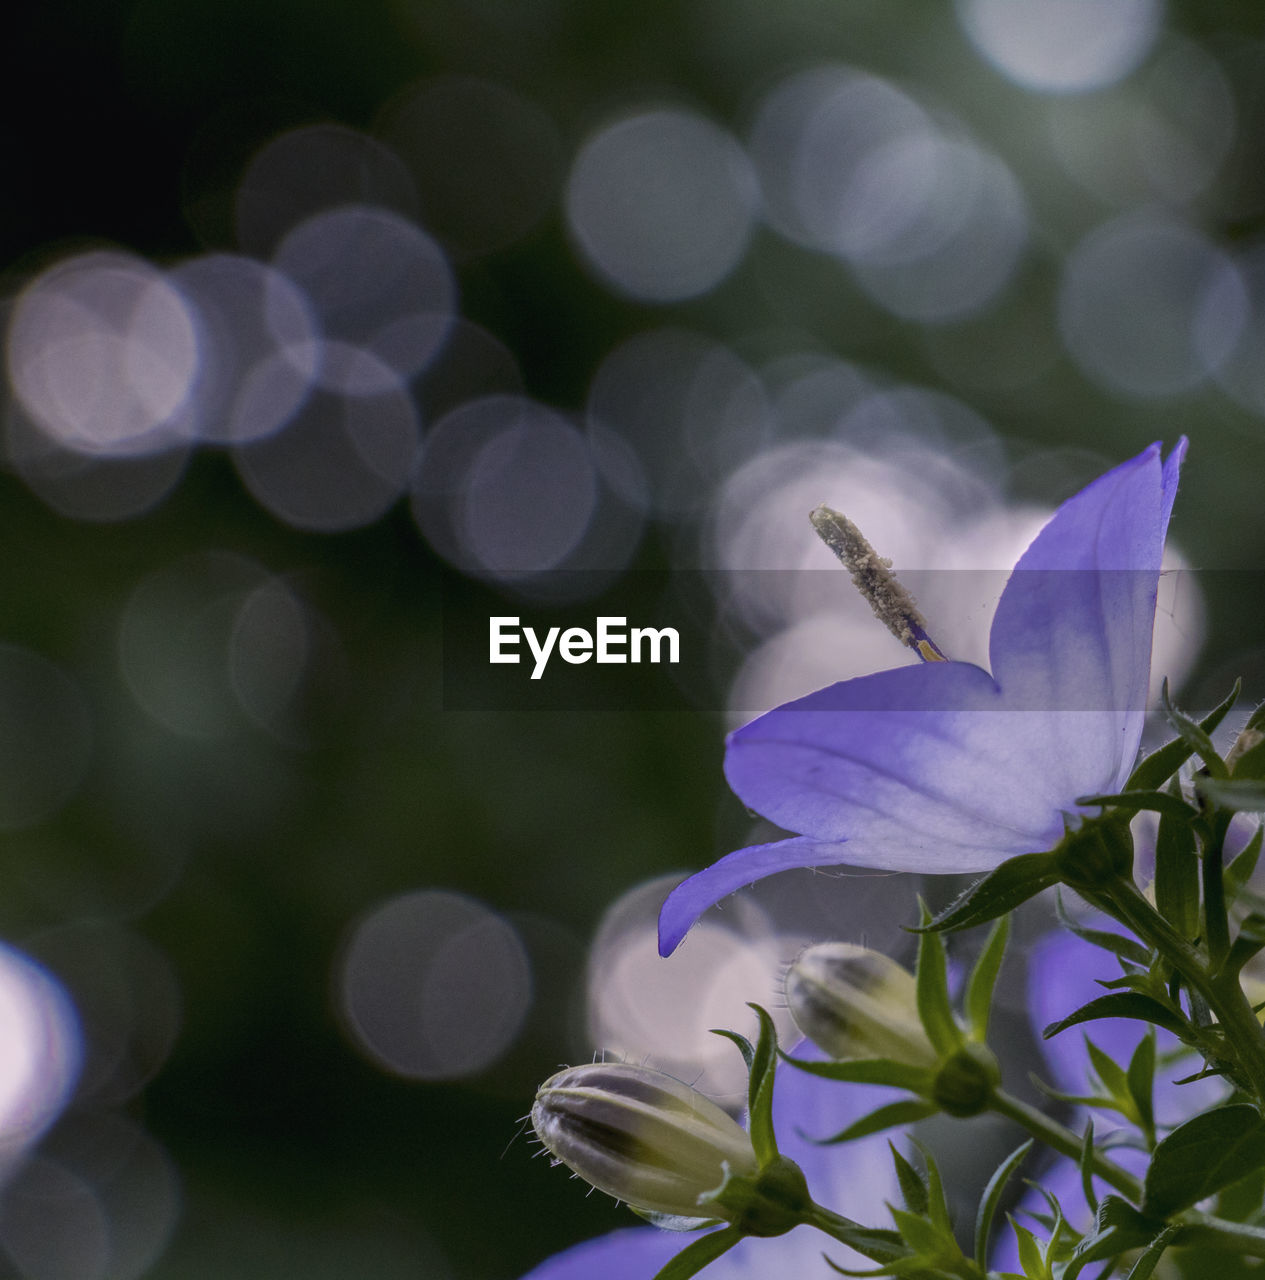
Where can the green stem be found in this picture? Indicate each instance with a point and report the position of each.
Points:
(1060, 1138)
(1222, 992)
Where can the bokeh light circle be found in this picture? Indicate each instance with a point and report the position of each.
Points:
(259, 346)
(685, 407)
(343, 461)
(310, 170)
(434, 985)
(662, 204)
(382, 291)
(506, 486)
(1062, 46)
(1149, 307)
(103, 355)
(40, 1051)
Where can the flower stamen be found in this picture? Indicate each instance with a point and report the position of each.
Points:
(872, 576)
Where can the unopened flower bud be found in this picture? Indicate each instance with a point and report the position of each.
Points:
(856, 1003)
(641, 1136)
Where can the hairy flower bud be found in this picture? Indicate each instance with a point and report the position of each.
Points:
(641, 1136)
(856, 1003)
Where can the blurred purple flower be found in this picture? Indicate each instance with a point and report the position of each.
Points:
(944, 767)
(858, 1180)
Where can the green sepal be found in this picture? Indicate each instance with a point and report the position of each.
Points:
(1151, 773)
(1194, 735)
(919, 1233)
(992, 1198)
(1118, 1227)
(913, 1187)
(694, 1257)
(1240, 796)
(905, 1111)
(900, 1075)
(1124, 1004)
(1151, 801)
(1123, 947)
(760, 1070)
(1202, 1156)
(674, 1221)
(1177, 875)
(931, 981)
(1007, 886)
(979, 987)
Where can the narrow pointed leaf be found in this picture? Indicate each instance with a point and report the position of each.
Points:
(1246, 796)
(1150, 1256)
(979, 988)
(932, 986)
(907, 1111)
(899, 1075)
(760, 1090)
(1087, 1167)
(1160, 765)
(913, 1190)
(1177, 875)
(694, 1257)
(938, 1206)
(1141, 1082)
(992, 1198)
(1152, 801)
(1118, 1227)
(1239, 871)
(1117, 943)
(1123, 1004)
(1110, 1072)
(1202, 1156)
(1194, 735)
(1001, 890)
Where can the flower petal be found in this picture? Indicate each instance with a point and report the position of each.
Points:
(692, 897)
(1073, 630)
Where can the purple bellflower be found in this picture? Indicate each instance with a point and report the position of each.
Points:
(945, 767)
(858, 1180)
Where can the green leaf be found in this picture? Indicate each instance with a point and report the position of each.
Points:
(906, 1111)
(1160, 765)
(1116, 943)
(1247, 796)
(1194, 735)
(992, 1198)
(1249, 943)
(979, 987)
(1202, 1156)
(1000, 891)
(1031, 1255)
(1118, 1227)
(1088, 1152)
(1108, 1071)
(900, 1075)
(919, 1233)
(1123, 1004)
(760, 1090)
(1141, 1082)
(1151, 801)
(1150, 1256)
(932, 988)
(1177, 875)
(913, 1190)
(1237, 874)
(938, 1206)
(692, 1259)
